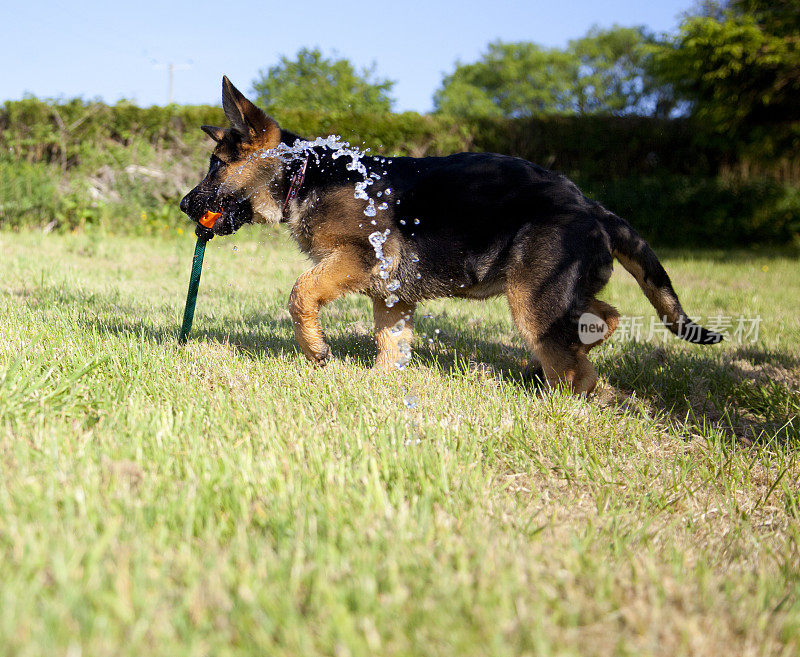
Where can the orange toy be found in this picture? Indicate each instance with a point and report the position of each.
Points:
(209, 218)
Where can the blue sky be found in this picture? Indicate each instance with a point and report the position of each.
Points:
(112, 50)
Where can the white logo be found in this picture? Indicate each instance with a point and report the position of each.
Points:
(591, 328)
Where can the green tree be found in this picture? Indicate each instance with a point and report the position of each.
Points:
(312, 81)
(738, 64)
(513, 80)
(602, 72)
(614, 77)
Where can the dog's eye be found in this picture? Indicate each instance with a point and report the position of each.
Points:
(215, 163)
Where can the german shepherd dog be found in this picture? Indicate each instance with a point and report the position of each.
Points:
(469, 225)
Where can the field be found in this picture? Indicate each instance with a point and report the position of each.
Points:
(226, 498)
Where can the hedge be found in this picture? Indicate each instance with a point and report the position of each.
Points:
(81, 162)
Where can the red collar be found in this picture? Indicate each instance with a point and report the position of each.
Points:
(296, 184)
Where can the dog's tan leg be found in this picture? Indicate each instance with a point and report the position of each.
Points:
(608, 314)
(563, 363)
(393, 332)
(339, 273)
(568, 367)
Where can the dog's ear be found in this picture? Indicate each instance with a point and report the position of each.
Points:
(217, 134)
(246, 118)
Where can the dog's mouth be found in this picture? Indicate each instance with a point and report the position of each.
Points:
(232, 213)
(224, 224)
(234, 216)
(225, 219)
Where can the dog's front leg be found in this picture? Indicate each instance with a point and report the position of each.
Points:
(393, 332)
(339, 273)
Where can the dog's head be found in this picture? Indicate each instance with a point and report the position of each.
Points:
(244, 180)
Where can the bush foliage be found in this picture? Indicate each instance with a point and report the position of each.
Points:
(70, 164)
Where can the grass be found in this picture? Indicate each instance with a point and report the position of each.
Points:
(228, 499)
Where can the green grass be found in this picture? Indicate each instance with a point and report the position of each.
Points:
(226, 498)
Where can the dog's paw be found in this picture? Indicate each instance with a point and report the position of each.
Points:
(321, 359)
(319, 356)
(383, 365)
(533, 374)
(533, 370)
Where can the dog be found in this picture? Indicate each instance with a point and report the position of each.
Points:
(402, 230)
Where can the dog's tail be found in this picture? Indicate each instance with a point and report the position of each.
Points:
(638, 258)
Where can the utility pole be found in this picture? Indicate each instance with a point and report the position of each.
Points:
(171, 68)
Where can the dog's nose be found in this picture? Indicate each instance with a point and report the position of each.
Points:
(185, 204)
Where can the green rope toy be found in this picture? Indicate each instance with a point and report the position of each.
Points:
(203, 236)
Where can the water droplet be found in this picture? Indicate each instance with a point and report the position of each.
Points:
(402, 222)
(393, 285)
(388, 191)
(383, 206)
(391, 300)
(360, 191)
(410, 401)
(405, 355)
(397, 329)
(416, 220)
(377, 238)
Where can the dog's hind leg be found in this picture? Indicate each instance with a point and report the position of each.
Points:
(560, 357)
(533, 370)
(339, 273)
(393, 332)
(552, 280)
(608, 314)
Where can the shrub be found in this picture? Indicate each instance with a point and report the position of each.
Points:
(125, 167)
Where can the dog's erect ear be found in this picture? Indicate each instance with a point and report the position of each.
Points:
(236, 107)
(217, 134)
(245, 117)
